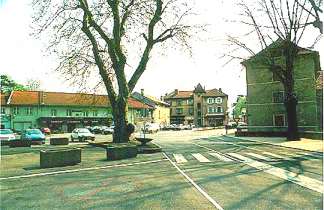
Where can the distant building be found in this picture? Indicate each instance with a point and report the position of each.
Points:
(199, 107)
(61, 111)
(265, 94)
(159, 112)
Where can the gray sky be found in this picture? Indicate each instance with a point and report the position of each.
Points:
(22, 56)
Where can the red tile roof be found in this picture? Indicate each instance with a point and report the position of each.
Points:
(67, 99)
(188, 94)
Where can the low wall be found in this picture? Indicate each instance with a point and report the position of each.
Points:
(121, 151)
(59, 141)
(60, 157)
(309, 135)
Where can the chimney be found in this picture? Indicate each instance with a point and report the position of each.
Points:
(220, 90)
(176, 91)
(142, 92)
(161, 98)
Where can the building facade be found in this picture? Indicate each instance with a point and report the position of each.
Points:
(61, 111)
(199, 107)
(265, 94)
(160, 110)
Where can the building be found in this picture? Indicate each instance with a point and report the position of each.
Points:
(199, 107)
(61, 111)
(265, 93)
(160, 110)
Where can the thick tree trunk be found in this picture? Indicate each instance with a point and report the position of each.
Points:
(291, 100)
(120, 119)
(291, 108)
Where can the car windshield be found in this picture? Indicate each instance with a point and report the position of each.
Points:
(34, 131)
(5, 131)
(84, 131)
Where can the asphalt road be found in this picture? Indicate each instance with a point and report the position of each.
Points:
(240, 174)
(197, 170)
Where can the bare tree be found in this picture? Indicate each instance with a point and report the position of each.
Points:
(103, 35)
(279, 25)
(33, 84)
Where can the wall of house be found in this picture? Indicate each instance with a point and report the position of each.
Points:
(260, 105)
(161, 115)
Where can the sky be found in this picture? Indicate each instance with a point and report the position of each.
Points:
(23, 57)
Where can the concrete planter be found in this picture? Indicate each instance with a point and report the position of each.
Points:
(60, 157)
(121, 151)
(20, 143)
(59, 141)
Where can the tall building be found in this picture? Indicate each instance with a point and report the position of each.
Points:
(266, 111)
(199, 107)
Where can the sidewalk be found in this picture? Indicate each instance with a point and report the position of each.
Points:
(305, 144)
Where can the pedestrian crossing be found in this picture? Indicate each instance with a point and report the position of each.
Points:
(255, 160)
(217, 156)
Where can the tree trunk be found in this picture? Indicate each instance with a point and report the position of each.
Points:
(291, 101)
(291, 108)
(120, 119)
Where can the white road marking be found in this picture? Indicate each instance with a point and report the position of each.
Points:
(310, 155)
(261, 157)
(277, 156)
(301, 180)
(210, 199)
(220, 157)
(179, 158)
(201, 158)
(80, 169)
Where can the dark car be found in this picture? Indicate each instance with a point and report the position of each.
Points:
(34, 135)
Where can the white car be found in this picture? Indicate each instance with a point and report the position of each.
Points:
(6, 135)
(107, 130)
(152, 127)
(82, 134)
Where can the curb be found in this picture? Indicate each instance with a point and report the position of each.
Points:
(321, 153)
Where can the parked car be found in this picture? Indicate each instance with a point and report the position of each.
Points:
(107, 130)
(6, 135)
(33, 135)
(46, 131)
(96, 129)
(82, 134)
(152, 127)
(231, 125)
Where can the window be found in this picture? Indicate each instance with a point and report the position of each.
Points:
(179, 110)
(278, 97)
(219, 109)
(210, 100)
(279, 120)
(95, 113)
(29, 111)
(53, 112)
(69, 112)
(219, 100)
(179, 102)
(190, 101)
(190, 111)
(3, 111)
(210, 109)
(16, 111)
(275, 77)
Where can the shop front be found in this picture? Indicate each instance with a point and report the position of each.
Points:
(214, 120)
(67, 124)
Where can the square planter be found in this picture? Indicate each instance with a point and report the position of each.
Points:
(20, 143)
(59, 141)
(60, 157)
(121, 151)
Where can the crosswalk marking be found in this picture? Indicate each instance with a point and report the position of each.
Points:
(220, 157)
(201, 158)
(258, 156)
(301, 180)
(310, 155)
(179, 158)
(277, 156)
